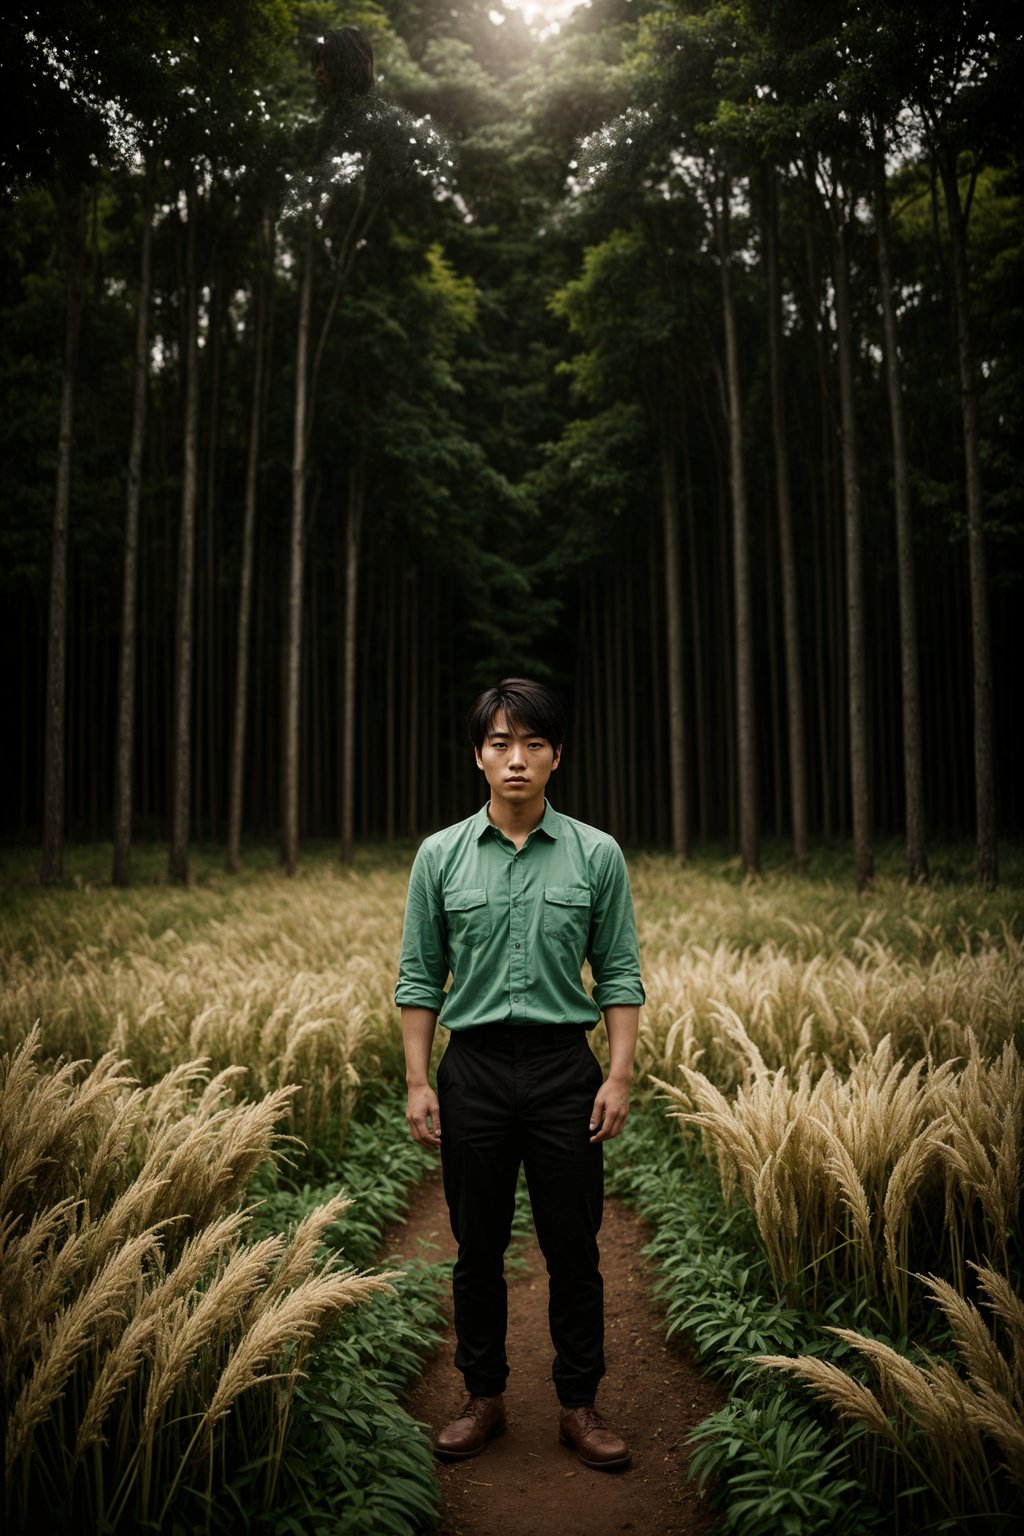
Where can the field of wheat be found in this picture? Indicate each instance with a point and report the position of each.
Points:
(852, 1065)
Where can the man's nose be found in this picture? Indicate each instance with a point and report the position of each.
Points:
(517, 754)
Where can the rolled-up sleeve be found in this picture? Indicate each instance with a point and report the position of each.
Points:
(613, 949)
(423, 966)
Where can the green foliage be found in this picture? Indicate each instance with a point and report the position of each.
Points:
(715, 1282)
(778, 1471)
(772, 1459)
(354, 1462)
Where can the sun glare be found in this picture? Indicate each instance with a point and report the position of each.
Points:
(545, 17)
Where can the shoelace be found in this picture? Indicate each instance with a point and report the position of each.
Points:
(590, 1418)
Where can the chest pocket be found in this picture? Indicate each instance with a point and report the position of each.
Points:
(468, 916)
(567, 915)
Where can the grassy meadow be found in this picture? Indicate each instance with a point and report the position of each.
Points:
(849, 1068)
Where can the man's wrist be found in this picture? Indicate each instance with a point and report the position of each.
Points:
(622, 1079)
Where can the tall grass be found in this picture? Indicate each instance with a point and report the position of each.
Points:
(852, 1065)
(854, 1071)
(857, 1177)
(939, 1419)
(816, 1009)
(293, 981)
(143, 1339)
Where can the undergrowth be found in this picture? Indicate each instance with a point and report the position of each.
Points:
(776, 1459)
(356, 1464)
(773, 1462)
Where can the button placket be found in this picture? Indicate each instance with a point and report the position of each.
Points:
(517, 937)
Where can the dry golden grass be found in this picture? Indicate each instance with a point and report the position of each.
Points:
(134, 1315)
(862, 1175)
(294, 979)
(818, 1010)
(294, 982)
(851, 1063)
(970, 1418)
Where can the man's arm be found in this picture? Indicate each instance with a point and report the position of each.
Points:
(420, 995)
(421, 1111)
(611, 1105)
(614, 957)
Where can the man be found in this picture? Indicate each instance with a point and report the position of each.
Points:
(510, 902)
(343, 63)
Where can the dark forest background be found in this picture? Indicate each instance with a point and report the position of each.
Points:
(606, 376)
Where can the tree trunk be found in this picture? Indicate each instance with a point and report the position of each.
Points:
(697, 645)
(180, 747)
(746, 722)
(674, 646)
(206, 648)
(863, 855)
(412, 758)
(70, 212)
(123, 765)
(293, 642)
(348, 707)
(981, 641)
(787, 557)
(913, 775)
(248, 541)
(390, 704)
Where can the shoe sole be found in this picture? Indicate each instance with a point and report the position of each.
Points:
(492, 1434)
(618, 1464)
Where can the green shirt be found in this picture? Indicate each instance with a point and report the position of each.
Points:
(514, 926)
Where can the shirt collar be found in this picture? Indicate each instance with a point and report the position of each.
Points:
(550, 823)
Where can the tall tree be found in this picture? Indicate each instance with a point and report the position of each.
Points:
(829, 177)
(64, 95)
(181, 744)
(364, 147)
(720, 206)
(960, 64)
(787, 552)
(70, 213)
(245, 587)
(353, 528)
(123, 760)
(674, 643)
(913, 767)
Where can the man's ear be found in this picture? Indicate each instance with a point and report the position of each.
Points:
(556, 759)
(479, 759)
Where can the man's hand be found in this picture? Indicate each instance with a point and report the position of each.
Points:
(612, 1103)
(424, 1117)
(421, 1109)
(611, 1107)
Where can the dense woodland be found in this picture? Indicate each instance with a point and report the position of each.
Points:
(675, 355)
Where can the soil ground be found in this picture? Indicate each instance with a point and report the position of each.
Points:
(525, 1483)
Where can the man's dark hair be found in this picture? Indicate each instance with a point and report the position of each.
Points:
(348, 56)
(527, 706)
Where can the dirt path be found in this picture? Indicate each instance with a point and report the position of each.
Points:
(525, 1483)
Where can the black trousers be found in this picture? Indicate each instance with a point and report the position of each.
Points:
(511, 1095)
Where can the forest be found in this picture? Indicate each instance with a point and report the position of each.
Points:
(668, 352)
(355, 357)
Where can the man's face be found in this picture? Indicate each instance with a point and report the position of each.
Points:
(516, 764)
(322, 75)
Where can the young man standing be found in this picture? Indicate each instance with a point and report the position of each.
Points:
(511, 902)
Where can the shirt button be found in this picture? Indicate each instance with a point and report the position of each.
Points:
(519, 946)
(516, 998)
(515, 903)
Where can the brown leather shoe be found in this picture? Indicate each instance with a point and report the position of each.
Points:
(479, 1420)
(589, 1436)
